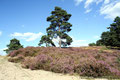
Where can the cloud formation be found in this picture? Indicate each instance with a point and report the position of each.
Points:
(109, 8)
(77, 2)
(106, 1)
(27, 36)
(88, 10)
(78, 42)
(75, 43)
(88, 2)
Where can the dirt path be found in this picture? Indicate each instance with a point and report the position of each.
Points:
(13, 71)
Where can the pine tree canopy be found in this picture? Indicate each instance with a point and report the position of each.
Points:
(59, 26)
(14, 45)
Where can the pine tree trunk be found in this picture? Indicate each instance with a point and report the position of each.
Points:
(60, 39)
(46, 44)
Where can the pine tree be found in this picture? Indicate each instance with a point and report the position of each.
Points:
(59, 26)
(14, 45)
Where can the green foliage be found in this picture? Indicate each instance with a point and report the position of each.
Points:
(118, 60)
(92, 44)
(103, 48)
(59, 26)
(14, 45)
(111, 37)
(99, 43)
(45, 39)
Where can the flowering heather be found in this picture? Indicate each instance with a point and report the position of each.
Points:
(85, 61)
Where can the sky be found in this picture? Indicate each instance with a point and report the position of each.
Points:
(26, 20)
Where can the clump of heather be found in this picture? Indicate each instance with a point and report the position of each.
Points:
(83, 61)
(91, 67)
(62, 65)
(41, 61)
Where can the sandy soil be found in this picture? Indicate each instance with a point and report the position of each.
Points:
(13, 71)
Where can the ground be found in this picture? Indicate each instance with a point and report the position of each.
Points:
(14, 71)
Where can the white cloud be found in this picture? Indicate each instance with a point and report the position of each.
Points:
(88, 10)
(77, 2)
(98, 1)
(78, 42)
(27, 36)
(106, 1)
(88, 2)
(56, 40)
(111, 10)
(75, 43)
(0, 33)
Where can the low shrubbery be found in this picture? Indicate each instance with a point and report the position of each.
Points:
(85, 62)
(92, 44)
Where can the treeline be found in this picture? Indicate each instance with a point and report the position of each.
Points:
(111, 37)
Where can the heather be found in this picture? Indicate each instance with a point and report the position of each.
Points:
(84, 61)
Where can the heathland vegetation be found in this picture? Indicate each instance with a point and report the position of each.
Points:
(95, 61)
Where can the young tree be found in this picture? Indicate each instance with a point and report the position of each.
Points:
(45, 39)
(14, 45)
(59, 26)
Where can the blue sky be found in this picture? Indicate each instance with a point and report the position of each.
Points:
(26, 19)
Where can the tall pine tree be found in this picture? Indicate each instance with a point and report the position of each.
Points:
(59, 26)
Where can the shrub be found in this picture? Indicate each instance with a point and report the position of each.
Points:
(27, 62)
(63, 65)
(39, 62)
(92, 68)
(92, 44)
(17, 59)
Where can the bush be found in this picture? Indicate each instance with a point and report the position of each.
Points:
(39, 62)
(17, 59)
(63, 65)
(92, 44)
(92, 68)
